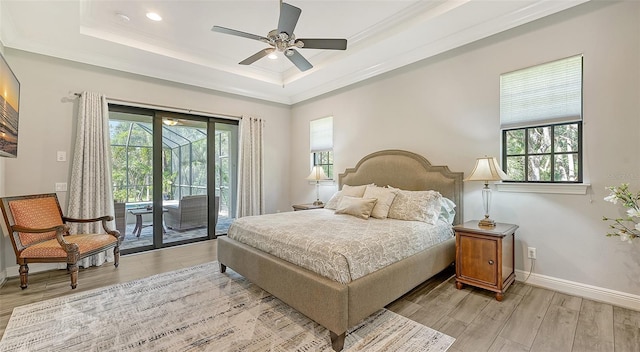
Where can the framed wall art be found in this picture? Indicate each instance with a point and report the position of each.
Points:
(9, 110)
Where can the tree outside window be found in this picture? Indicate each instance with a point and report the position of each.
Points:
(549, 153)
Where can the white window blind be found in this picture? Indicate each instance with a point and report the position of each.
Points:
(543, 94)
(321, 134)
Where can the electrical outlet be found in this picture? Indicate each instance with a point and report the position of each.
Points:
(531, 252)
(61, 187)
(61, 156)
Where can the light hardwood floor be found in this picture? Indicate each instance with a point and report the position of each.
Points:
(528, 319)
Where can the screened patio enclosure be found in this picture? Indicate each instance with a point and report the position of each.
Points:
(185, 168)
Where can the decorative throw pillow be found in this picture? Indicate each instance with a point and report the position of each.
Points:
(358, 207)
(351, 191)
(416, 205)
(385, 197)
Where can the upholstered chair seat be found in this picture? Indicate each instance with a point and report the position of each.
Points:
(40, 234)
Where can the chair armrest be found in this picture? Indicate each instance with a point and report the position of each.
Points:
(115, 233)
(18, 228)
(60, 230)
(102, 218)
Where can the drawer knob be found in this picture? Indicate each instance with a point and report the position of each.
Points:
(490, 262)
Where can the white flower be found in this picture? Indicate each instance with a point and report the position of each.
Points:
(611, 198)
(634, 213)
(624, 236)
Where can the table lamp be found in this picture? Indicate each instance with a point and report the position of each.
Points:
(487, 169)
(317, 174)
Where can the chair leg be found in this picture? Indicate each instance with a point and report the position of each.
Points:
(74, 274)
(116, 256)
(24, 273)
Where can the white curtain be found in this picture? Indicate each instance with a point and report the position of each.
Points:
(251, 168)
(90, 192)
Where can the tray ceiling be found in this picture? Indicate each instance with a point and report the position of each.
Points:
(382, 36)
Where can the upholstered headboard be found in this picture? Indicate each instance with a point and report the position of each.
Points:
(408, 171)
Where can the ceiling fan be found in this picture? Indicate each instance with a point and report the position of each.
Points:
(282, 39)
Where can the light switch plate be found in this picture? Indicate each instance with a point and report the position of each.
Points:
(61, 156)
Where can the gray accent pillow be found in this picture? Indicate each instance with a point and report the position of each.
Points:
(358, 207)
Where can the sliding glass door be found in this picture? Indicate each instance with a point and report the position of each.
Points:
(174, 176)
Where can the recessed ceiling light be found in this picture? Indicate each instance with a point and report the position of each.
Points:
(272, 56)
(123, 17)
(154, 16)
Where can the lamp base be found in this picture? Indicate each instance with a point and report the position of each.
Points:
(486, 222)
(318, 202)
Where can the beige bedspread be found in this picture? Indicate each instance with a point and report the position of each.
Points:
(339, 247)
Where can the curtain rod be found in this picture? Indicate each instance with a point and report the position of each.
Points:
(166, 108)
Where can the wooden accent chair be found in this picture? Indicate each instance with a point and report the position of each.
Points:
(39, 234)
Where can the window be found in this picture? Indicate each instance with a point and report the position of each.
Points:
(325, 160)
(541, 121)
(321, 144)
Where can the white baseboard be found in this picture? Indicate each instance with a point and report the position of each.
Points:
(595, 293)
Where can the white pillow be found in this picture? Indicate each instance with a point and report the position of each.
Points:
(351, 191)
(385, 197)
(416, 205)
(447, 210)
(358, 207)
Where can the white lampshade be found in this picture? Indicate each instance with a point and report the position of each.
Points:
(317, 173)
(487, 169)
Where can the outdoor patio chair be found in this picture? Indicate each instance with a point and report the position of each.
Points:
(189, 213)
(39, 234)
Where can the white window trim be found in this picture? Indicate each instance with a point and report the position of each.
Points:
(550, 188)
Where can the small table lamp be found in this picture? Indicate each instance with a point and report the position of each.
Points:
(317, 174)
(487, 169)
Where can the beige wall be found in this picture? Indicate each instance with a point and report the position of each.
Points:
(47, 115)
(447, 109)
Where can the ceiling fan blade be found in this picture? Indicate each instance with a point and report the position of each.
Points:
(238, 33)
(301, 63)
(330, 44)
(257, 56)
(288, 18)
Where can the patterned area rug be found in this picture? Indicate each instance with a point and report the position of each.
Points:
(196, 309)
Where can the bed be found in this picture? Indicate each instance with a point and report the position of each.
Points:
(340, 305)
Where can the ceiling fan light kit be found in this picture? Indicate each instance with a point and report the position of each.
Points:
(283, 40)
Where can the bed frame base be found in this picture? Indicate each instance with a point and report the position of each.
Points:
(331, 304)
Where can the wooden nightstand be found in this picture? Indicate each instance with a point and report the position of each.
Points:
(484, 256)
(309, 206)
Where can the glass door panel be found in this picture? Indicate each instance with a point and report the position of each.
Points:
(226, 156)
(132, 174)
(184, 179)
